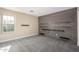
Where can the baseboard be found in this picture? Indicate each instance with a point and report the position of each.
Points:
(18, 37)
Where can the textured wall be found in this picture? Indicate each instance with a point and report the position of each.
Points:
(20, 31)
(65, 20)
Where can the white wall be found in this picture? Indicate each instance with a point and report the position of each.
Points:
(78, 25)
(20, 31)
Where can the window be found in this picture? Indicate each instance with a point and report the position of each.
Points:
(8, 23)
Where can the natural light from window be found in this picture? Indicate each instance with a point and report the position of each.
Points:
(5, 49)
(8, 23)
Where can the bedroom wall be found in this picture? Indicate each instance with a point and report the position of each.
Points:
(20, 31)
(64, 20)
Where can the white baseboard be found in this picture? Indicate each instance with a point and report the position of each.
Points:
(18, 37)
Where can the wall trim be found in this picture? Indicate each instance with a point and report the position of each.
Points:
(18, 38)
(77, 27)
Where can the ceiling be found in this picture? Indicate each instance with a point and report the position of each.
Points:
(38, 11)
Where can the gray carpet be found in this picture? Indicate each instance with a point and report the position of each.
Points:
(39, 44)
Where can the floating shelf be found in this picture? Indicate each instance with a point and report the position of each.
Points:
(25, 25)
(53, 30)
